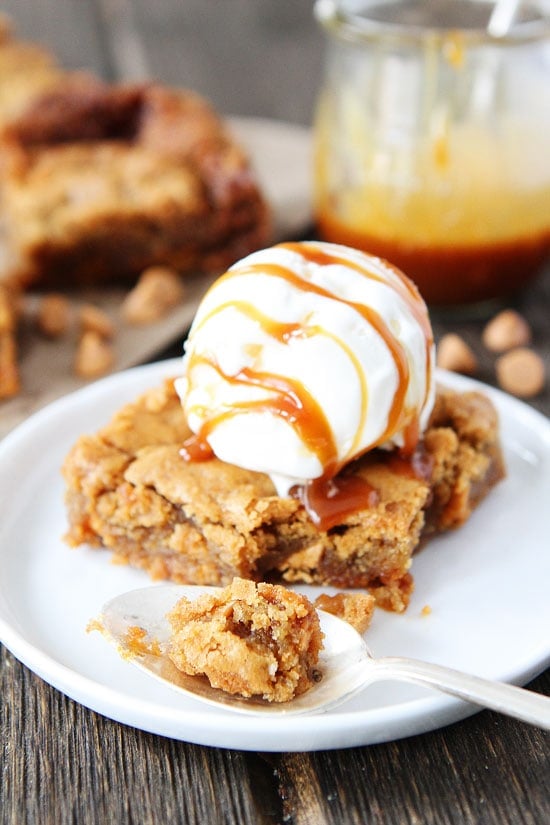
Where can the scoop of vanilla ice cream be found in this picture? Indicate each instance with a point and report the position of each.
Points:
(304, 356)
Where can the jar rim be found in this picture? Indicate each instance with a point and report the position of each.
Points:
(360, 28)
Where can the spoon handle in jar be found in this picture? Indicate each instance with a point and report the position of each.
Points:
(508, 699)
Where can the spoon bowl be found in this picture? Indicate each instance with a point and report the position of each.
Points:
(345, 663)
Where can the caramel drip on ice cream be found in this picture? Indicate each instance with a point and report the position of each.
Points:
(368, 314)
(284, 332)
(285, 398)
(331, 497)
(404, 287)
(280, 330)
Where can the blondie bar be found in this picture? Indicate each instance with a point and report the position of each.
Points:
(99, 182)
(129, 490)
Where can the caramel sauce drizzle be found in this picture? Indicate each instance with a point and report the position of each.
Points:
(288, 399)
(281, 330)
(404, 287)
(371, 317)
(284, 332)
(331, 497)
(329, 500)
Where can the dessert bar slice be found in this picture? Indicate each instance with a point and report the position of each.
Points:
(128, 489)
(99, 182)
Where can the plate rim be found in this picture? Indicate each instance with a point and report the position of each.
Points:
(426, 713)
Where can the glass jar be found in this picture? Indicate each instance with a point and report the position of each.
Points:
(432, 142)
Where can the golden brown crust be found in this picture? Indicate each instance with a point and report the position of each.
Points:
(464, 442)
(128, 489)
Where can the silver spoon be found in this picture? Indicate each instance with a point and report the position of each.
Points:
(502, 17)
(346, 664)
(500, 22)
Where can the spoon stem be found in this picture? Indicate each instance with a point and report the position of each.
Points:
(502, 17)
(508, 699)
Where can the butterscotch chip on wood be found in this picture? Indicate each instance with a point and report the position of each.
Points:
(505, 331)
(94, 356)
(521, 372)
(94, 319)
(53, 317)
(158, 290)
(10, 382)
(453, 353)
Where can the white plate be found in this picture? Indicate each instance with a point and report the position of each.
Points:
(486, 584)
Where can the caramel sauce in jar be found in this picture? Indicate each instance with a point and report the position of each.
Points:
(460, 273)
(431, 143)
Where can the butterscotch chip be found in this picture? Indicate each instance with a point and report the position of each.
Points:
(505, 331)
(250, 639)
(53, 317)
(8, 310)
(94, 319)
(521, 372)
(354, 608)
(94, 356)
(10, 382)
(453, 353)
(158, 290)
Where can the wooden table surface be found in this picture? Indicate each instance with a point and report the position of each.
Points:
(62, 763)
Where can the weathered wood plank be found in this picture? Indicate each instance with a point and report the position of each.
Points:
(63, 763)
(487, 769)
